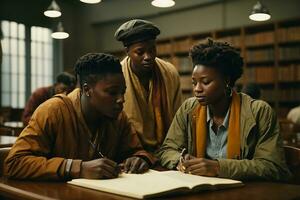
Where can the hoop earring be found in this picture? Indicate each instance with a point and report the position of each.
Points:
(228, 91)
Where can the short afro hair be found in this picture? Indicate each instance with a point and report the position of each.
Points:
(94, 66)
(220, 55)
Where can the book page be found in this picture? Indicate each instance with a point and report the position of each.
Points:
(193, 180)
(133, 185)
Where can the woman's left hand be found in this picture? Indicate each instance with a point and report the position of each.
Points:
(135, 165)
(201, 167)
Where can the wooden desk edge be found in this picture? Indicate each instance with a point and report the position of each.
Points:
(15, 193)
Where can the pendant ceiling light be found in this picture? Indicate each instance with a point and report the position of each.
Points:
(259, 12)
(91, 1)
(53, 10)
(163, 3)
(59, 33)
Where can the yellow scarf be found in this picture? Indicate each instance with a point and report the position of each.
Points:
(233, 138)
(160, 106)
(154, 110)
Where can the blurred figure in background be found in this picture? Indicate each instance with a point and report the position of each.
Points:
(252, 89)
(294, 115)
(65, 83)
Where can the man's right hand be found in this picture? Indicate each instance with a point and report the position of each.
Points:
(102, 168)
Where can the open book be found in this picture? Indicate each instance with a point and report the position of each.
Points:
(155, 184)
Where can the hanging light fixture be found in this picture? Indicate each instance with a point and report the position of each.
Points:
(163, 3)
(53, 10)
(59, 33)
(259, 12)
(91, 1)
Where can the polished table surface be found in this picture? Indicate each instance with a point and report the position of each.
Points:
(7, 141)
(13, 189)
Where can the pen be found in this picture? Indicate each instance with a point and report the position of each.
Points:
(94, 147)
(181, 159)
(180, 167)
(118, 167)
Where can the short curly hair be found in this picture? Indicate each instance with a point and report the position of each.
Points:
(94, 66)
(219, 55)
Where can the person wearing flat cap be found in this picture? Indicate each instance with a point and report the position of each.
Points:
(153, 92)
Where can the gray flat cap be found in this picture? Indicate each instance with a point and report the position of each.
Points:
(136, 30)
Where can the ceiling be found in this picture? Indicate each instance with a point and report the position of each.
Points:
(115, 10)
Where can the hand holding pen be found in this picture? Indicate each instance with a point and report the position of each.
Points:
(184, 156)
(102, 168)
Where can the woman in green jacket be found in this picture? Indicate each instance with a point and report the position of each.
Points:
(219, 132)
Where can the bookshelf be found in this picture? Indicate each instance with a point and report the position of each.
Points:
(271, 53)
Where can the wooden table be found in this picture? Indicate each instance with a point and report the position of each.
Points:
(7, 141)
(13, 189)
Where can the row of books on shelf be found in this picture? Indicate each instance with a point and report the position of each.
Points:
(260, 38)
(266, 55)
(182, 45)
(289, 53)
(182, 63)
(288, 34)
(260, 74)
(164, 48)
(261, 55)
(267, 74)
(292, 94)
(174, 46)
(289, 73)
(284, 95)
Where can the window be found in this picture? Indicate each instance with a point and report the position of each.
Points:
(41, 57)
(22, 70)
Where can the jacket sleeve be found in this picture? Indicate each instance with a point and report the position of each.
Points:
(268, 162)
(30, 157)
(175, 140)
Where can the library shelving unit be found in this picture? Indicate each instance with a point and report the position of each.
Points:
(271, 53)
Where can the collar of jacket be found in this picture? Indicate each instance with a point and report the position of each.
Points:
(247, 118)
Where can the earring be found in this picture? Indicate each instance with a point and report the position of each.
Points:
(228, 91)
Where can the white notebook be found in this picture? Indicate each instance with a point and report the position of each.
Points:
(155, 184)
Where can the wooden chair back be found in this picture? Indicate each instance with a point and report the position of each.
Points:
(3, 154)
(292, 155)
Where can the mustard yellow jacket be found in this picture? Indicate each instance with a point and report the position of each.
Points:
(57, 131)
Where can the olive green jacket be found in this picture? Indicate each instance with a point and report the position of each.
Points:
(262, 155)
